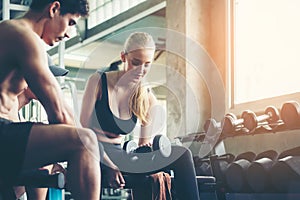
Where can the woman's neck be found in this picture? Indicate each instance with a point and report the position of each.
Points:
(123, 80)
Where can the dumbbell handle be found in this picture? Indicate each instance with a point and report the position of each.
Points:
(268, 115)
(238, 122)
(263, 117)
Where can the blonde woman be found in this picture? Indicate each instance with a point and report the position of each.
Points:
(114, 102)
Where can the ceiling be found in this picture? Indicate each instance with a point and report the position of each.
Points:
(103, 51)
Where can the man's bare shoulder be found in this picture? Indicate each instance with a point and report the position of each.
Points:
(13, 27)
(16, 33)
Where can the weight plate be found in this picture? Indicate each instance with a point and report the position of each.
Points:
(290, 113)
(130, 146)
(228, 125)
(233, 116)
(163, 145)
(250, 121)
(273, 113)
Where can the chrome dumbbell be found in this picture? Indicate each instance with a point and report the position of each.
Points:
(160, 144)
(270, 118)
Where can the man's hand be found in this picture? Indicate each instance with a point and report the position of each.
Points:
(115, 178)
(25, 97)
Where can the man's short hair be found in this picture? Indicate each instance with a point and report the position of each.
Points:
(67, 6)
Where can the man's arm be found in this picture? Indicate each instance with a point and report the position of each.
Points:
(32, 60)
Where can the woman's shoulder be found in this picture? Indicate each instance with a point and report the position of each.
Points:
(98, 75)
(94, 77)
(112, 73)
(112, 76)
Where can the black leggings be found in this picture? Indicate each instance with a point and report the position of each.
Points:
(180, 161)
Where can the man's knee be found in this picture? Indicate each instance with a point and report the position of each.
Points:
(89, 141)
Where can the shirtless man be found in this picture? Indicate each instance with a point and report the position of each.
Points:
(24, 68)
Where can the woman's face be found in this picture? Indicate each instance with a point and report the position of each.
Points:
(138, 63)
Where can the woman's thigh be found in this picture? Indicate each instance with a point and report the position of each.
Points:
(145, 163)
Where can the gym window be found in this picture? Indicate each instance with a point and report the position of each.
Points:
(102, 10)
(264, 52)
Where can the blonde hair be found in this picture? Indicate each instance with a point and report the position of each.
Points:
(139, 101)
(139, 40)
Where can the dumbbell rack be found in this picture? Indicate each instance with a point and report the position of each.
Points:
(290, 125)
(238, 189)
(219, 130)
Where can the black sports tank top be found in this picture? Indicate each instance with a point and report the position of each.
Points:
(107, 120)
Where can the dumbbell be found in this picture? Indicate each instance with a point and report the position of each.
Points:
(231, 123)
(290, 114)
(285, 174)
(233, 116)
(290, 152)
(219, 165)
(160, 143)
(202, 166)
(213, 165)
(235, 174)
(129, 146)
(258, 172)
(214, 125)
(271, 117)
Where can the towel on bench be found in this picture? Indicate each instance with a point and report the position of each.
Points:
(160, 184)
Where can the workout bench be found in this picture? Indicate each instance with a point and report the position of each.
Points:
(207, 187)
(37, 179)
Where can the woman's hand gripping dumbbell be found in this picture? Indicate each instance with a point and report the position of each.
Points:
(161, 144)
(270, 118)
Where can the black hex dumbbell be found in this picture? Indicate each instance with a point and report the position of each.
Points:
(160, 144)
(235, 174)
(285, 174)
(258, 172)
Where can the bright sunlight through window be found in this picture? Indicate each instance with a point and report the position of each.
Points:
(266, 49)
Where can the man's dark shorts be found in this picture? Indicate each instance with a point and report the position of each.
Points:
(13, 142)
